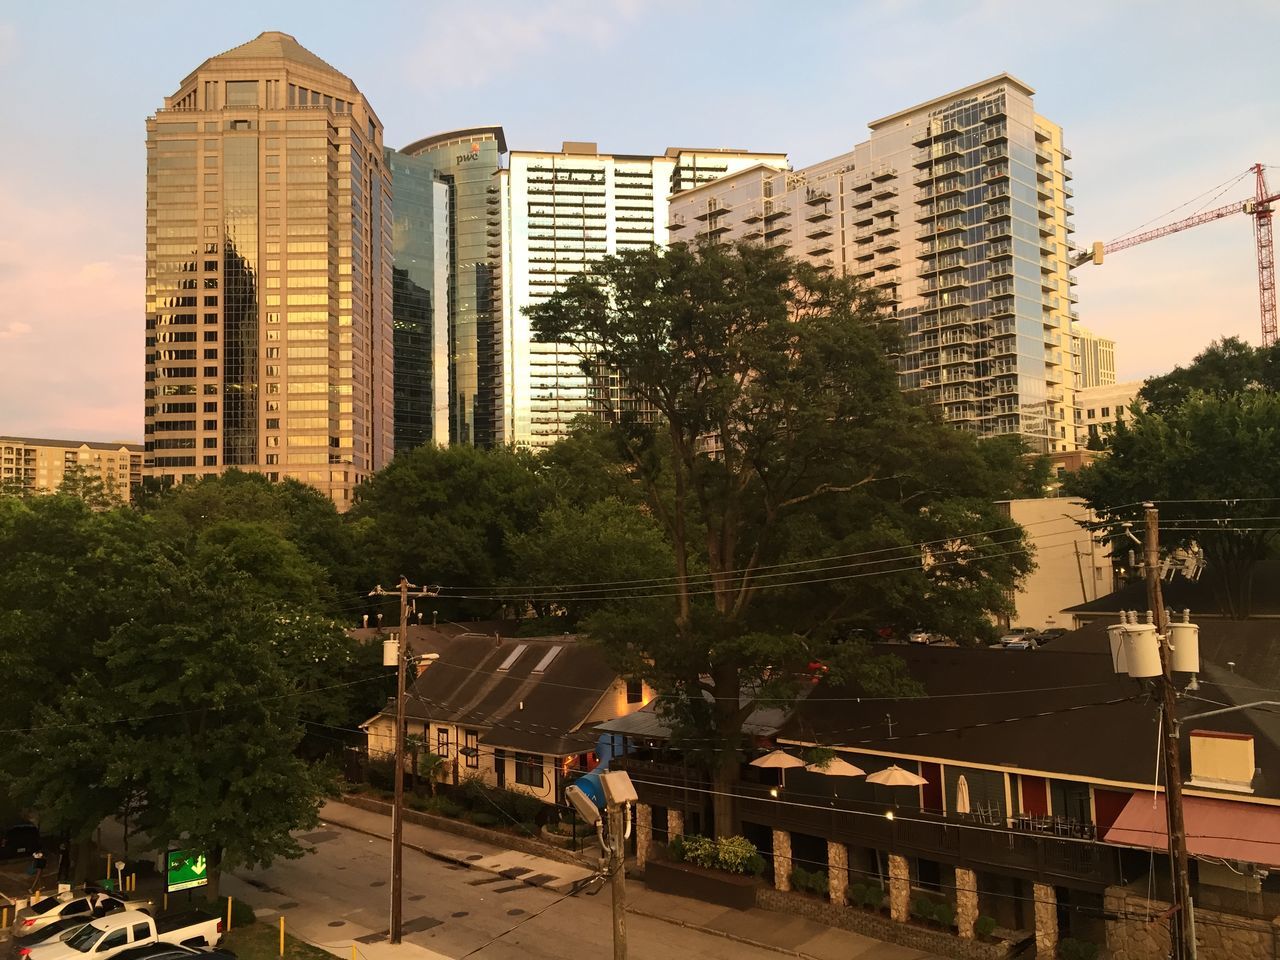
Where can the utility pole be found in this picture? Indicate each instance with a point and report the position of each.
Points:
(1182, 927)
(397, 810)
(618, 879)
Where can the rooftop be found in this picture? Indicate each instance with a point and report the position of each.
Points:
(464, 133)
(973, 88)
(75, 444)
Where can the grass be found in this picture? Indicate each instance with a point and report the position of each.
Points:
(261, 941)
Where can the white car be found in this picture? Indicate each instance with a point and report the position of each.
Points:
(919, 635)
(68, 904)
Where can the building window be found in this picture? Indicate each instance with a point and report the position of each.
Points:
(529, 769)
(635, 691)
(1106, 412)
(472, 749)
(442, 742)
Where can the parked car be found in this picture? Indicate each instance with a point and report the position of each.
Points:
(19, 840)
(58, 930)
(1023, 643)
(1048, 636)
(114, 934)
(920, 635)
(81, 905)
(1017, 633)
(172, 951)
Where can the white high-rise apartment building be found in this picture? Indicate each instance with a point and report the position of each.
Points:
(551, 214)
(956, 211)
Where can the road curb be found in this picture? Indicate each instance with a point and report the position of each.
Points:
(745, 941)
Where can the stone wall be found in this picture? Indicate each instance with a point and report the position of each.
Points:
(966, 902)
(782, 860)
(1219, 936)
(899, 888)
(675, 824)
(837, 871)
(876, 925)
(644, 833)
(511, 841)
(1046, 912)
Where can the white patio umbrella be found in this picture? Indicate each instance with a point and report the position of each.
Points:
(778, 760)
(962, 795)
(836, 768)
(895, 776)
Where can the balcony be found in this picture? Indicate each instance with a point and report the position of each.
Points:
(777, 228)
(820, 249)
(817, 215)
(886, 244)
(884, 173)
(818, 232)
(1001, 269)
(884, 191)
(995, 133)
(927, 176)
(997, 211)
(813, 196)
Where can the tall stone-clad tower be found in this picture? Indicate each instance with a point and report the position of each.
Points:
(269, 274)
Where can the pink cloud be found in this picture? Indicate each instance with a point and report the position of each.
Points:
(71, 331)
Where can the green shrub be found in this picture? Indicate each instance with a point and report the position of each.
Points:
(755, 865)
(701, 851)
(944, 915)
(675, 847)
(809, 881)
(381, 775)
(984, 926)
(421, 804)
(854, 893)
(873, 896)
(1070, 948)
(733, 854)
(922, 908)
(482, 819)
(444, 807)
(529, 828)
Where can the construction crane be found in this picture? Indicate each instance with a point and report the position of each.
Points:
(1258, 206)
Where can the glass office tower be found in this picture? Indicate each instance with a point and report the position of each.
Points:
(460, 165)
(268, 340)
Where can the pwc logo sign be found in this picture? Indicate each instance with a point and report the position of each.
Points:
(474, 154)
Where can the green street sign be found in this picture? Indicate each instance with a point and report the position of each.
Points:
(185, 869)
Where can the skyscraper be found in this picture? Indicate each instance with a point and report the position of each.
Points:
(1097, 359)
(552, 214)
(269, 283)
(456, 167)
(956, 211)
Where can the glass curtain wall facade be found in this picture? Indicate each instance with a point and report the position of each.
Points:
(462, 163)
(956, 213)
(268, 274)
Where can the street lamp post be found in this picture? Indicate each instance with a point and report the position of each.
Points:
(401, 653)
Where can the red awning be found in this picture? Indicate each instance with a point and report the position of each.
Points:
(1228, 829)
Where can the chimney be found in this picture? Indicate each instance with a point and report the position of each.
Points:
(1222, 761)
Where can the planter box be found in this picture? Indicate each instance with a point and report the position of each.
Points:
(710, 886)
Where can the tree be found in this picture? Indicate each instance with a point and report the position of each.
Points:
(444, 515)
(292, 511)
(1211, 457)
(607, 542)
(191, 716)
(774, 409)
(1227, 366)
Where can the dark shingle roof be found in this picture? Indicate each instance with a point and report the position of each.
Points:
(1065, 700)
(516, 708)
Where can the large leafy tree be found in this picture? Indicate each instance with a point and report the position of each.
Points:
(444, 515)
(778, 434)
(1227, 366)
(1216, 459)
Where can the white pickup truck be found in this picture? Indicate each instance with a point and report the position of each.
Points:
(106, 936)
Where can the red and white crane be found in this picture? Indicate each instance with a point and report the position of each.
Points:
(1258, 207)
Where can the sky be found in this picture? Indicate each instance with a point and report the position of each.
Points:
(1160, 102)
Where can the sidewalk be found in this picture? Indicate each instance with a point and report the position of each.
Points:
(789, 935)
(786, 934)
(465, 852)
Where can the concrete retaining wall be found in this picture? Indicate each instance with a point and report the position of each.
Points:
(879, 926)
(1219, 936)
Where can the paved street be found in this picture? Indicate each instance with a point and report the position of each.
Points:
(338, 894)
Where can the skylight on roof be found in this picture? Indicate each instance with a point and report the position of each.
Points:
(546, 659)
(512, 657)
